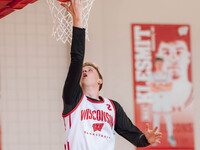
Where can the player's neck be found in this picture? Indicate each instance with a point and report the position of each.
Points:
(91, 92)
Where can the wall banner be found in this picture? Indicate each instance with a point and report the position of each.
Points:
(162, 83)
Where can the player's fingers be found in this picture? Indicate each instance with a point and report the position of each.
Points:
(158, 136)
(157, 141)
(155, 129)
(73, 2)
(159, 133)
(66, 6)
(146, 127)
(77, 2)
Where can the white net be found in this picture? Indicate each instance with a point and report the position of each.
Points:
(63, 22)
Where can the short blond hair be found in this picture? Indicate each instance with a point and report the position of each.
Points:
(97, 69)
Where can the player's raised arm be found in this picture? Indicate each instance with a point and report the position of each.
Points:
(72, 86)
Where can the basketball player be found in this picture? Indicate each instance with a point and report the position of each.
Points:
(160, 85)
(90, 120)
(177, 59)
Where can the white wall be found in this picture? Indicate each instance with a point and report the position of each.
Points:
(33, 69)
(33, 66)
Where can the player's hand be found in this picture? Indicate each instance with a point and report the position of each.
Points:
(151, 135)
(76, 10)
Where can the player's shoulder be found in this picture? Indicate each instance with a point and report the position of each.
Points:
(115, 103)
(110, 100)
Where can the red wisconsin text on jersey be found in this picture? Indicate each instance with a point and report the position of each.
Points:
(98, 115)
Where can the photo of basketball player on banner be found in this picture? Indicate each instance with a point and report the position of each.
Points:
(162, 82)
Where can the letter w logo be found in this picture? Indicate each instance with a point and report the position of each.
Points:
(97, 126)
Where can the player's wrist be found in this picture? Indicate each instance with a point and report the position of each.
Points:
(77, 22)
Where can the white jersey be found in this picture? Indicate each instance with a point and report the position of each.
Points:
(90, 125)
(161, 100)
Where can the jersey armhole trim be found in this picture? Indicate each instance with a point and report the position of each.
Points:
(114, 110)
(74, 108)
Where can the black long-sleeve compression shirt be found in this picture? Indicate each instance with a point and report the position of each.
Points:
(72, 92)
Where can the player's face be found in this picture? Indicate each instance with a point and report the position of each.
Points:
(159, 65)
(176, 56)
(90, 77)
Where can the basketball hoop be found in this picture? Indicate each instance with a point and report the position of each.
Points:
(63, 21)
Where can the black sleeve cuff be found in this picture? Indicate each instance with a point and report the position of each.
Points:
(78, 31)
(144, 142)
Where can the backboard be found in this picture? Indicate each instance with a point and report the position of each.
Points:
(9, 6)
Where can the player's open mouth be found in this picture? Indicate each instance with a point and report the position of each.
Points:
(84, 75)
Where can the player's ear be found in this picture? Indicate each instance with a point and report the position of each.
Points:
(100, 81)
